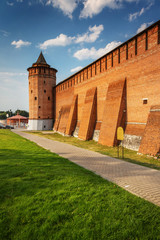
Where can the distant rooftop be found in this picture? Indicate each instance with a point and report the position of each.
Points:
(17, 117)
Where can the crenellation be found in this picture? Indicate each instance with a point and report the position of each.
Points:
(93, 70)
(136, 46)
(106, 62)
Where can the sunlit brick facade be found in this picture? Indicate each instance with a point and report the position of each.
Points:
(118, 89)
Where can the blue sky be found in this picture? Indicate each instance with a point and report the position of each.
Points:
(70, 33)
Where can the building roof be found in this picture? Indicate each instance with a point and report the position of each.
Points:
(19, 117)
(41, 59)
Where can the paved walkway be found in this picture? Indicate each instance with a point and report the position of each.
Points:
(141, 181)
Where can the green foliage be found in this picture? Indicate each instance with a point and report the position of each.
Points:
(44, 196)
(22, 113)
(3, 114)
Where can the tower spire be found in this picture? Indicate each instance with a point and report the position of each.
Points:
(41, 59)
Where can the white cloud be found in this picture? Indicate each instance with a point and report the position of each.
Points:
(20, 43)
(20, 1)
(91, 35)
(94, 7)
(67, 6)
(92, 53)
(90, 7)
(64, 40)
(133, 16)
(126, 35)
(76, 69)
(10, 4)
(11, 74)
(61, 40)
(5, 33)
(143, 26)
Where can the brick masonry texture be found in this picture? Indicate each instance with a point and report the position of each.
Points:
(135, 63)
(89, 115)
(150, 143)
(113, 113)
(72, 120)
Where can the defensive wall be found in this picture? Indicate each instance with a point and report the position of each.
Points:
(122, 88)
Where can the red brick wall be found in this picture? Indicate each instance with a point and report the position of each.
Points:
(72, 118)
(89, 115)
(113, 113)
(138, 62)
(63, 118)
(150, 143)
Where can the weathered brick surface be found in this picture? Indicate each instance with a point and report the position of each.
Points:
(87, 123)
(135, 129)
(72, 119)
(113, 113)
(42, 79)
(63, 118)
(150, 143)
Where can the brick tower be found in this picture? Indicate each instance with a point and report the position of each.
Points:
(42, 79)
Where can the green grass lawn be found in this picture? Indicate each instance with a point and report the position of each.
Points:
(129, 155)
(44, 196)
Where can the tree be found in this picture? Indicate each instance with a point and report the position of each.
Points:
(22, 113)
(3, 115)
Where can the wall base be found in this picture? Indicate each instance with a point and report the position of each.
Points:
(40, 125)
(76, 131)
(132, 142)
(96, 135)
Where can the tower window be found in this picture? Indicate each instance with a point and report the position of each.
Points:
(145, 100)
(44, 91)
(39, 106)
(39, 117)
(35, 98)
(44, 81)
(48, 98)
(31, 91)
(44, 70)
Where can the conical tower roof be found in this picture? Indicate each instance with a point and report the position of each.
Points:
(41, 62)
(41, 59)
